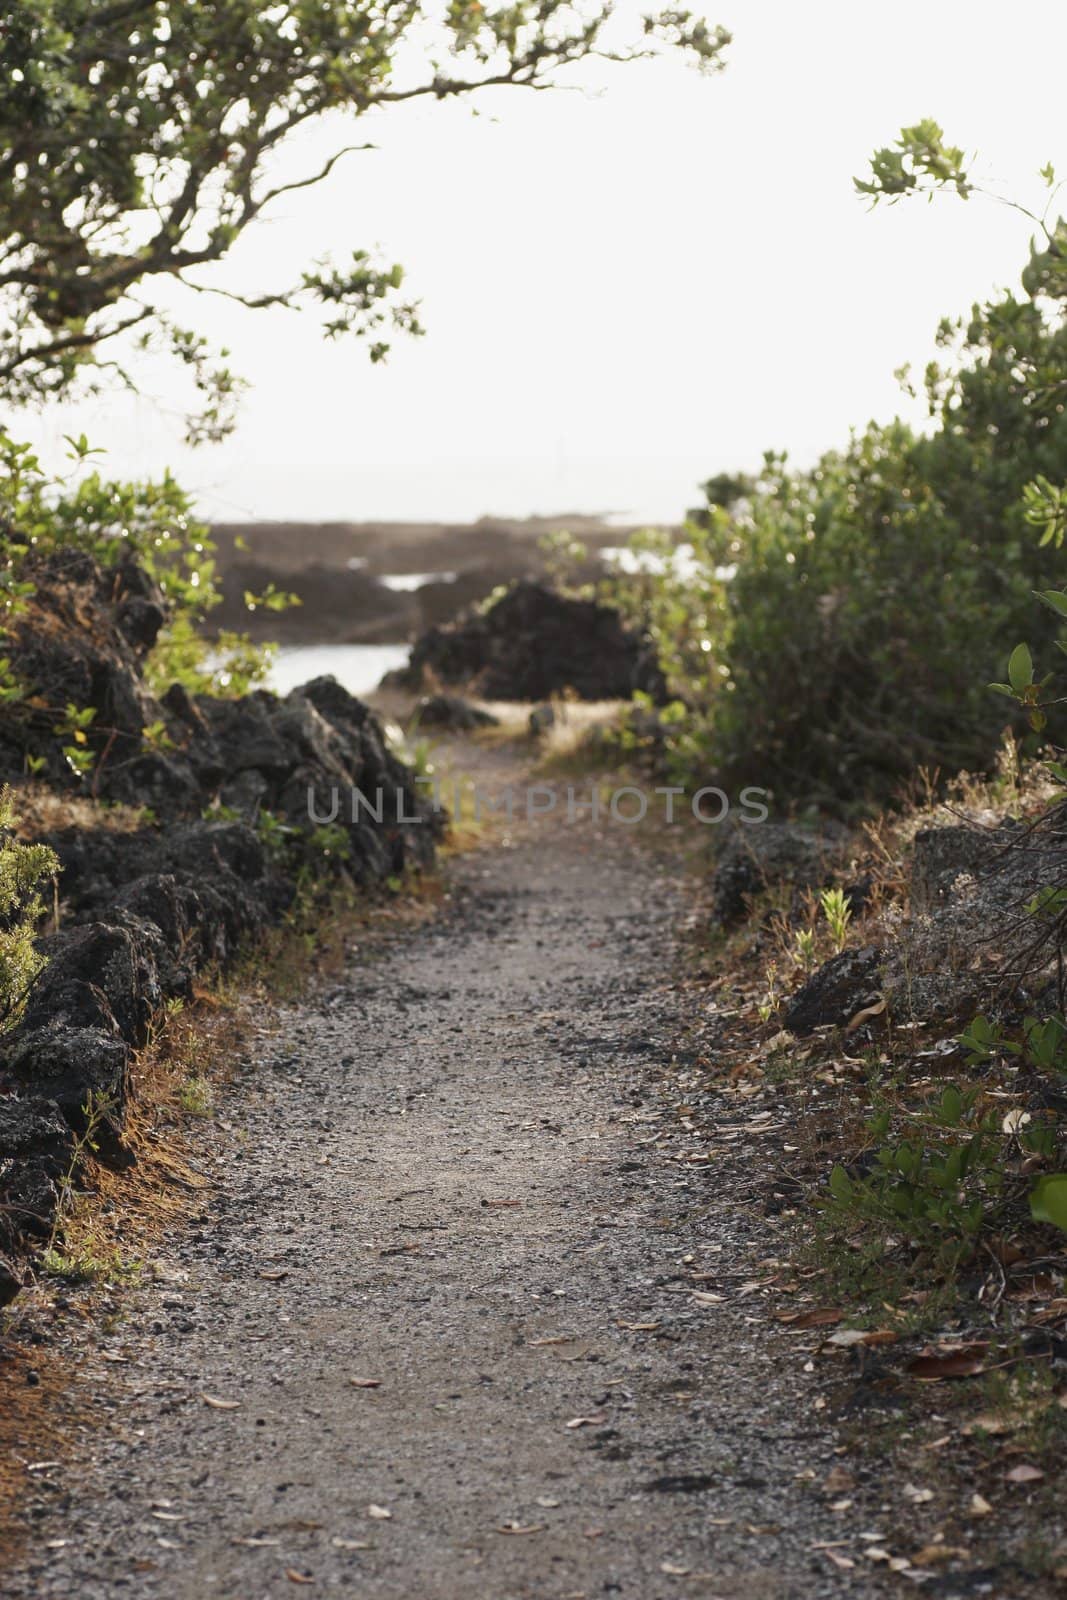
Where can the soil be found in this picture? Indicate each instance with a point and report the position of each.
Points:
(437, 1329)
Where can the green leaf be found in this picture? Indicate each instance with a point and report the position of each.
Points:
(1055, 599)
(1048, 1201)
(951, 1106)
(840, 1184)
(1020, 667)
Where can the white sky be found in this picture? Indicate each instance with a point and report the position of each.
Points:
(624, 291)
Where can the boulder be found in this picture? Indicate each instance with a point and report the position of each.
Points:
(451, 714)
(98, 976)
(832, 996)
(532, 643)
(759, 855)
(36, 1145)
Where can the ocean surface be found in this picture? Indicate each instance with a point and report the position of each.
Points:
(358, 667)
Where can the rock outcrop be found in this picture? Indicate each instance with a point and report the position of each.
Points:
(533, 642)
(239, 797)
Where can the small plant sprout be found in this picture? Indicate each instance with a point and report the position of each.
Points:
(804, 940)
(837, 909)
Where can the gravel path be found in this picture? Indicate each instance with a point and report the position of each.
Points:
(442, 1183)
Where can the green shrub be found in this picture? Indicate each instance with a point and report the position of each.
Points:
(109, 520)
(22, 869)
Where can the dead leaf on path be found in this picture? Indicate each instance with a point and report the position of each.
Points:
(592, 1533)
(365, 1383)
(499, 1204)
(961, 1363)
(819, 1317)
(673, 1570)
(701, 1299)
(865, 1015)
(845, 1338)
(980, 1506)
(298, 1577)
(932, 1555)
(351, 1544)
(168, 1516)
(1024, 1473)
(379, 1513)
(846, 1563)
(588, 1422)
(519, 1528)
(254, 1544)
(220, 1405)
(837, 1481)
(274, 1274)
(918, 1497)
(559, 1338)
(547, 1501)
(637, 1327)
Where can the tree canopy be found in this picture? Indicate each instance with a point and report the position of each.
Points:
(138, 140)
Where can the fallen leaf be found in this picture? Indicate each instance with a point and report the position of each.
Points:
(820, 1317)
(274, 1274)
(379, 1513)
(298, 1577)
(673, 1571)
(587, 1422)
(518, 1528)
(365, 1383)
(844, 1338)
(838, 1480)
(637, 1327)
(980, 1506)
(932, 1555)
(918, 1497)
(220, 1405)
(961, 1363)
(700, 1298)
(1024, 1473)
(860, 1017)
(254, 1544)
(168, 1516)
(547, 1501)
(846, 1563)
(350, 1544)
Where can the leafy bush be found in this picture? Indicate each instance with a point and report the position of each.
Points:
(110, 520)
(22, 869)
(838, 627)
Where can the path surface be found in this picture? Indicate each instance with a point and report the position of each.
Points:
(447, 1154)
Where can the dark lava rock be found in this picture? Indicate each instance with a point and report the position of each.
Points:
(941, 856)
(97, 977)
(758, 855)
(10, 1282)
(833, 994)
(68, 1066)
(451, 713)
(532, 643)
(35, 1151)
(144, 910)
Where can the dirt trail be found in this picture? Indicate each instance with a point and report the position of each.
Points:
(447, 1154)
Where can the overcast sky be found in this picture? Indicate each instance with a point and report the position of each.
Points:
(629, 289)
